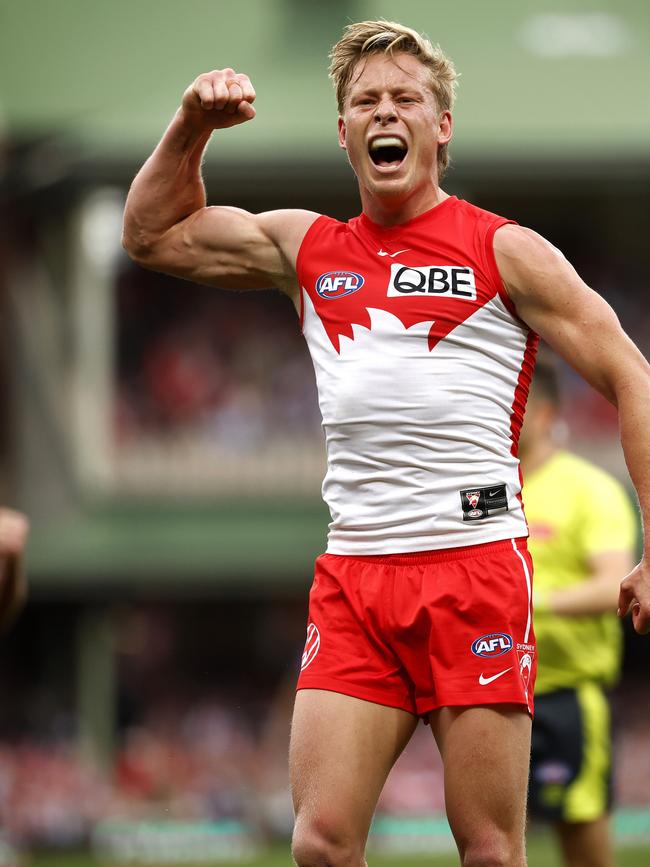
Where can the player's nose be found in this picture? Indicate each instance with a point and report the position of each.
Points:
(385, 111)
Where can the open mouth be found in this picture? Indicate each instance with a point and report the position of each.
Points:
(387, 151)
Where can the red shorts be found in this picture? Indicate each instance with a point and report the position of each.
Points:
(426, 630)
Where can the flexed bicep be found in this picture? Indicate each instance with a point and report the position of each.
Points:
(219, 246)
(231, 248)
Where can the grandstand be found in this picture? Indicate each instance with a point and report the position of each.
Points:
(165, 439)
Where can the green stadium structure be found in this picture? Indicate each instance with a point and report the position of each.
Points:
(538, 80)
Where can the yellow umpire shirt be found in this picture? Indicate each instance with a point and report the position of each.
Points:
(575, 510)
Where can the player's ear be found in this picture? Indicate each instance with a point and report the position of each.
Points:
(445, 127)
(342, 133)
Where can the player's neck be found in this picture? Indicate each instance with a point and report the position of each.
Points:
(535, 456)
(393, 210)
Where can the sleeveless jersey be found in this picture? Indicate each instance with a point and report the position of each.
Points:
(422, 368)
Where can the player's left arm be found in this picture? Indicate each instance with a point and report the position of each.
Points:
(552, 299)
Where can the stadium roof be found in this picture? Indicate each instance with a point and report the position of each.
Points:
(539, 79)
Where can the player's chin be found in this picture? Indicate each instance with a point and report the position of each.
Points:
(389, 184)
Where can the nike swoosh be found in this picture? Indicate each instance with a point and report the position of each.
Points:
(392, 255)
(485, 680)
(492, 493)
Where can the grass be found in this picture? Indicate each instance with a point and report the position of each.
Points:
(541, 853)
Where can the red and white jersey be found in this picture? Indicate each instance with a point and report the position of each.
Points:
(423, 368)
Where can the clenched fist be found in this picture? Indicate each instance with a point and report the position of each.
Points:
(219, 99)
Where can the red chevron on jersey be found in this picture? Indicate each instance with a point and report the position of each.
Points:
(422, 368)
(348, 245)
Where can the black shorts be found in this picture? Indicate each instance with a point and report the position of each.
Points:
(571, 756)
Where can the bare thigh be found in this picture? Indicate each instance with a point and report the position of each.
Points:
(341, 752)
(485, 751)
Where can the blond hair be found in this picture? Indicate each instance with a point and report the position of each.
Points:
(374, 37)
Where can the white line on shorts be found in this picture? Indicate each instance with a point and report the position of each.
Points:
(528, 585)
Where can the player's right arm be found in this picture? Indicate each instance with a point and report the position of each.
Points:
(167, 224)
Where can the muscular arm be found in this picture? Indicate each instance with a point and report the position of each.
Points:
(552, 299)
(169, 228)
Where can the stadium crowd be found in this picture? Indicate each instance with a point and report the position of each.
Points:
(232, 370)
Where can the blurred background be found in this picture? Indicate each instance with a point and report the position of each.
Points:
(164, 438)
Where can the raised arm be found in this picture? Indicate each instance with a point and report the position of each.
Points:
(169, 228)
(552, 299)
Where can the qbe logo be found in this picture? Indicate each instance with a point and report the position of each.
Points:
(491, 645)
(338, 284)
(438, 280)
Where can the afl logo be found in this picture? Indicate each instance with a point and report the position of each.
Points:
(491, 645)
(312, 646)
(338, 284)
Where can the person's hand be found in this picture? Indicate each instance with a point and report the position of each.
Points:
(635, 597)
(13, 532)
(219, 99)
(14, 528)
